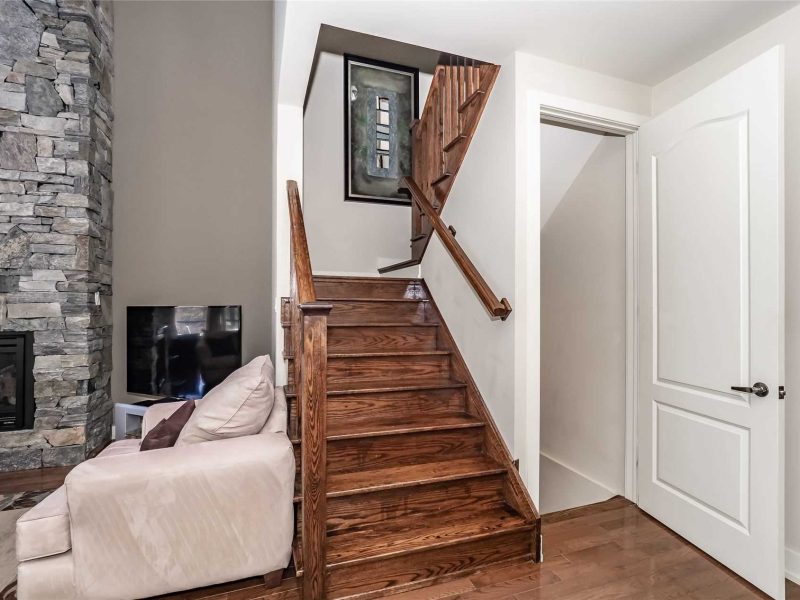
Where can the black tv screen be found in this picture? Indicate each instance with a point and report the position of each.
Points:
(182, 351)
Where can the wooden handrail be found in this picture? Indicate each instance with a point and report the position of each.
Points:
(310, 353)
(300, 255)
(496, 307)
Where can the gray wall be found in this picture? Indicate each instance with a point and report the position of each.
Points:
(193, 165)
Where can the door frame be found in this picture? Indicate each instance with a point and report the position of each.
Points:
(559, 115)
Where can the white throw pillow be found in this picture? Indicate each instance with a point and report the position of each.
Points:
(238, 406)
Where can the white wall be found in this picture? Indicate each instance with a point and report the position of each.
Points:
(192, 168)
(496, 193)
(564, 155)
(481, 208)
(344, 237)
(783, 30)
(582, 317)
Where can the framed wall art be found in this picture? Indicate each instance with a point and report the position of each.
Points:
(381, 101)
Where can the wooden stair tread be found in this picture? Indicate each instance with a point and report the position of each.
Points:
(452, 143)
(380, 324)
(396, 537)
(392, 478)
(343, 299)
(365, 279)
(383, 385)
(377, 427)
(344, 484)
(470, 99)
(400, 425)
(386, 353)
(443, 177)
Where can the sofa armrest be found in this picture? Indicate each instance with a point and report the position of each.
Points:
(156, 412)
(164, 520)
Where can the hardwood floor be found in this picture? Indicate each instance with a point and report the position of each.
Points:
(607, 551)
(35, 480)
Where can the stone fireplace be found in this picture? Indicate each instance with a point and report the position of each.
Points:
(55, 228)
(16, 381)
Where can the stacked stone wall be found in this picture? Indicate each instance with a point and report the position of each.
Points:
(56, 119)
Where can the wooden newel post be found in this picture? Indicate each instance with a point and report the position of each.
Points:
(312, 393)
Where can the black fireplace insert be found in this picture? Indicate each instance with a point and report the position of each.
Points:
(16, 381)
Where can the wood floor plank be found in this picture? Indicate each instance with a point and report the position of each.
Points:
(639, 559)
(623, 555)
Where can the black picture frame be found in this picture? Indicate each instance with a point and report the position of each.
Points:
(350, 195)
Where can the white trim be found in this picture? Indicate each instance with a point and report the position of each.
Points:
(565, 116)
(793, 565)
(571, 117)
(631, 315)
(562, 464)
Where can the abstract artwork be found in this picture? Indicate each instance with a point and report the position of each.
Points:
(381, 101)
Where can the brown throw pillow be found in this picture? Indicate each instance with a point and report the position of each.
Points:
(165, 434)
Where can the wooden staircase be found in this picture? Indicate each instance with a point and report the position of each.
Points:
(418, 485)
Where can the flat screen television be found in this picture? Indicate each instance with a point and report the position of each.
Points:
(182, 351)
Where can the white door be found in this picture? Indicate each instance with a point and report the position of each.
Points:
(711, 317)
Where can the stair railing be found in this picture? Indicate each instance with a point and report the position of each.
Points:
(496, 307)
(440, 139)
(310, 351)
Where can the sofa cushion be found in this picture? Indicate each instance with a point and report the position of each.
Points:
(157, 412)
(165, 434)
(120, 447)
(47, 578)
(44, 529)
(238, 406)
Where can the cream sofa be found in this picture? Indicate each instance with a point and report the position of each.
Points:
(130, 524)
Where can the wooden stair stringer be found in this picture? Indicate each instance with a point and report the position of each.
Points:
(496, 447)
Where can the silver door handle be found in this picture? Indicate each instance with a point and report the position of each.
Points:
(759, 389)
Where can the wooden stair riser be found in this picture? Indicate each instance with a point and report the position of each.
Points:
(366, 510)
(405, 449)
(352, 369)
(333, 287)
(380, 405)
(416, 568)
(372, 338)
(365, 311)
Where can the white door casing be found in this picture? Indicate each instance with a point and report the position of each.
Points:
(711, 292)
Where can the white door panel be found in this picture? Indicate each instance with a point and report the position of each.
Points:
(711, 317)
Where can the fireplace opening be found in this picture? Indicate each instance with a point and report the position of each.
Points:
(16, 381)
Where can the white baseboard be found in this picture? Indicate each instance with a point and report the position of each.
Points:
(793, 565)
(563, 487)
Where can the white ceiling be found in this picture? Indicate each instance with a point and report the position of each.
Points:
(641, 41)
(644, 42)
